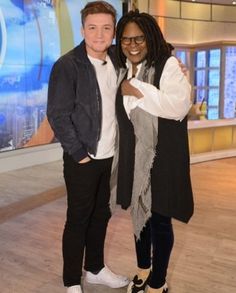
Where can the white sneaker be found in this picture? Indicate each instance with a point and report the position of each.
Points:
(108, 278)
(74, 289)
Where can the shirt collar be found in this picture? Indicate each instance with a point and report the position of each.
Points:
(129, 66)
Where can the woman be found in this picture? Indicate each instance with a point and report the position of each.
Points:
(153, 173)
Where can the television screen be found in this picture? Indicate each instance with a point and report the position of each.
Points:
(33, 35)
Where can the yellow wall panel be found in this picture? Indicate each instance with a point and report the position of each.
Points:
(234, 137)
(222, 138)
(201, 140)
(210, 139)
(190, 143)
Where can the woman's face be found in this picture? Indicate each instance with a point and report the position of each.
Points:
(133, 43)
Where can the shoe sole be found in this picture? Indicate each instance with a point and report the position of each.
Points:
(105, 284)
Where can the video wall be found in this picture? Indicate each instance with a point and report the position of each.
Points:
(230, 85)
(33, 34)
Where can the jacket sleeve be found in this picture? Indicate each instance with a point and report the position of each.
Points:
(61, 102)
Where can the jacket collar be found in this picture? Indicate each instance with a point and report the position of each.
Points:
(81, 54)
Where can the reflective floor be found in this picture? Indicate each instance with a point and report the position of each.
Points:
(32, 214)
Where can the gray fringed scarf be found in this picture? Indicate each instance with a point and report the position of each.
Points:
(146, 130)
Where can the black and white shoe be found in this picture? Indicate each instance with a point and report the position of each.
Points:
(138, 285)
(163, 289)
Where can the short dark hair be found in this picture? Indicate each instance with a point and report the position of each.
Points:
(157, 47)
(98, 7)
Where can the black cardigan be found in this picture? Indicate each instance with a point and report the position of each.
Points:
(170, 175)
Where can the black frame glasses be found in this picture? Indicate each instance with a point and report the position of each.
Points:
(137, 39)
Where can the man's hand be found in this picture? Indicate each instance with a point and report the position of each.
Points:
(85, 160)
(128, 90)
(183, 68)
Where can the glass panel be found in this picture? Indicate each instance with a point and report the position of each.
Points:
(200, 95)
(230, 85)
(213, 113)
(214, 77)
(229, 109)
(213, 97)
(181, 55)
(200, 59)
(200, 80)
(214, 58)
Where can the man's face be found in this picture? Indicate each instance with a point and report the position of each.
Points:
(98, 32)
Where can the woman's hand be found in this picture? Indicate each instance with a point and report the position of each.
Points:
(128, 90)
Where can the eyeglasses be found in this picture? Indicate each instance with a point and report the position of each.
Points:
(138, 40)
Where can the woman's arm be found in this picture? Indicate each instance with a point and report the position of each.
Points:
(172, 101)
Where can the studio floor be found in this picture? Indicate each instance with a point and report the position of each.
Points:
(32, 215)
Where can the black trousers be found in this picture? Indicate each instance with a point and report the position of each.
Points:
(88, 213)
(154, 247)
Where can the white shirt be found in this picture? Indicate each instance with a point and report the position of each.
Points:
(107, 81)
(171, 101)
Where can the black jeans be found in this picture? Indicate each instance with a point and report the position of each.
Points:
(88, 213)
(154, 248)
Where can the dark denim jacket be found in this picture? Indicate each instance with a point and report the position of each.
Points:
(74, 103)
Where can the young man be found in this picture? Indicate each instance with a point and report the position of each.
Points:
(81, 111)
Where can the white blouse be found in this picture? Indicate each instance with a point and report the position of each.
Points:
(171, 101)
